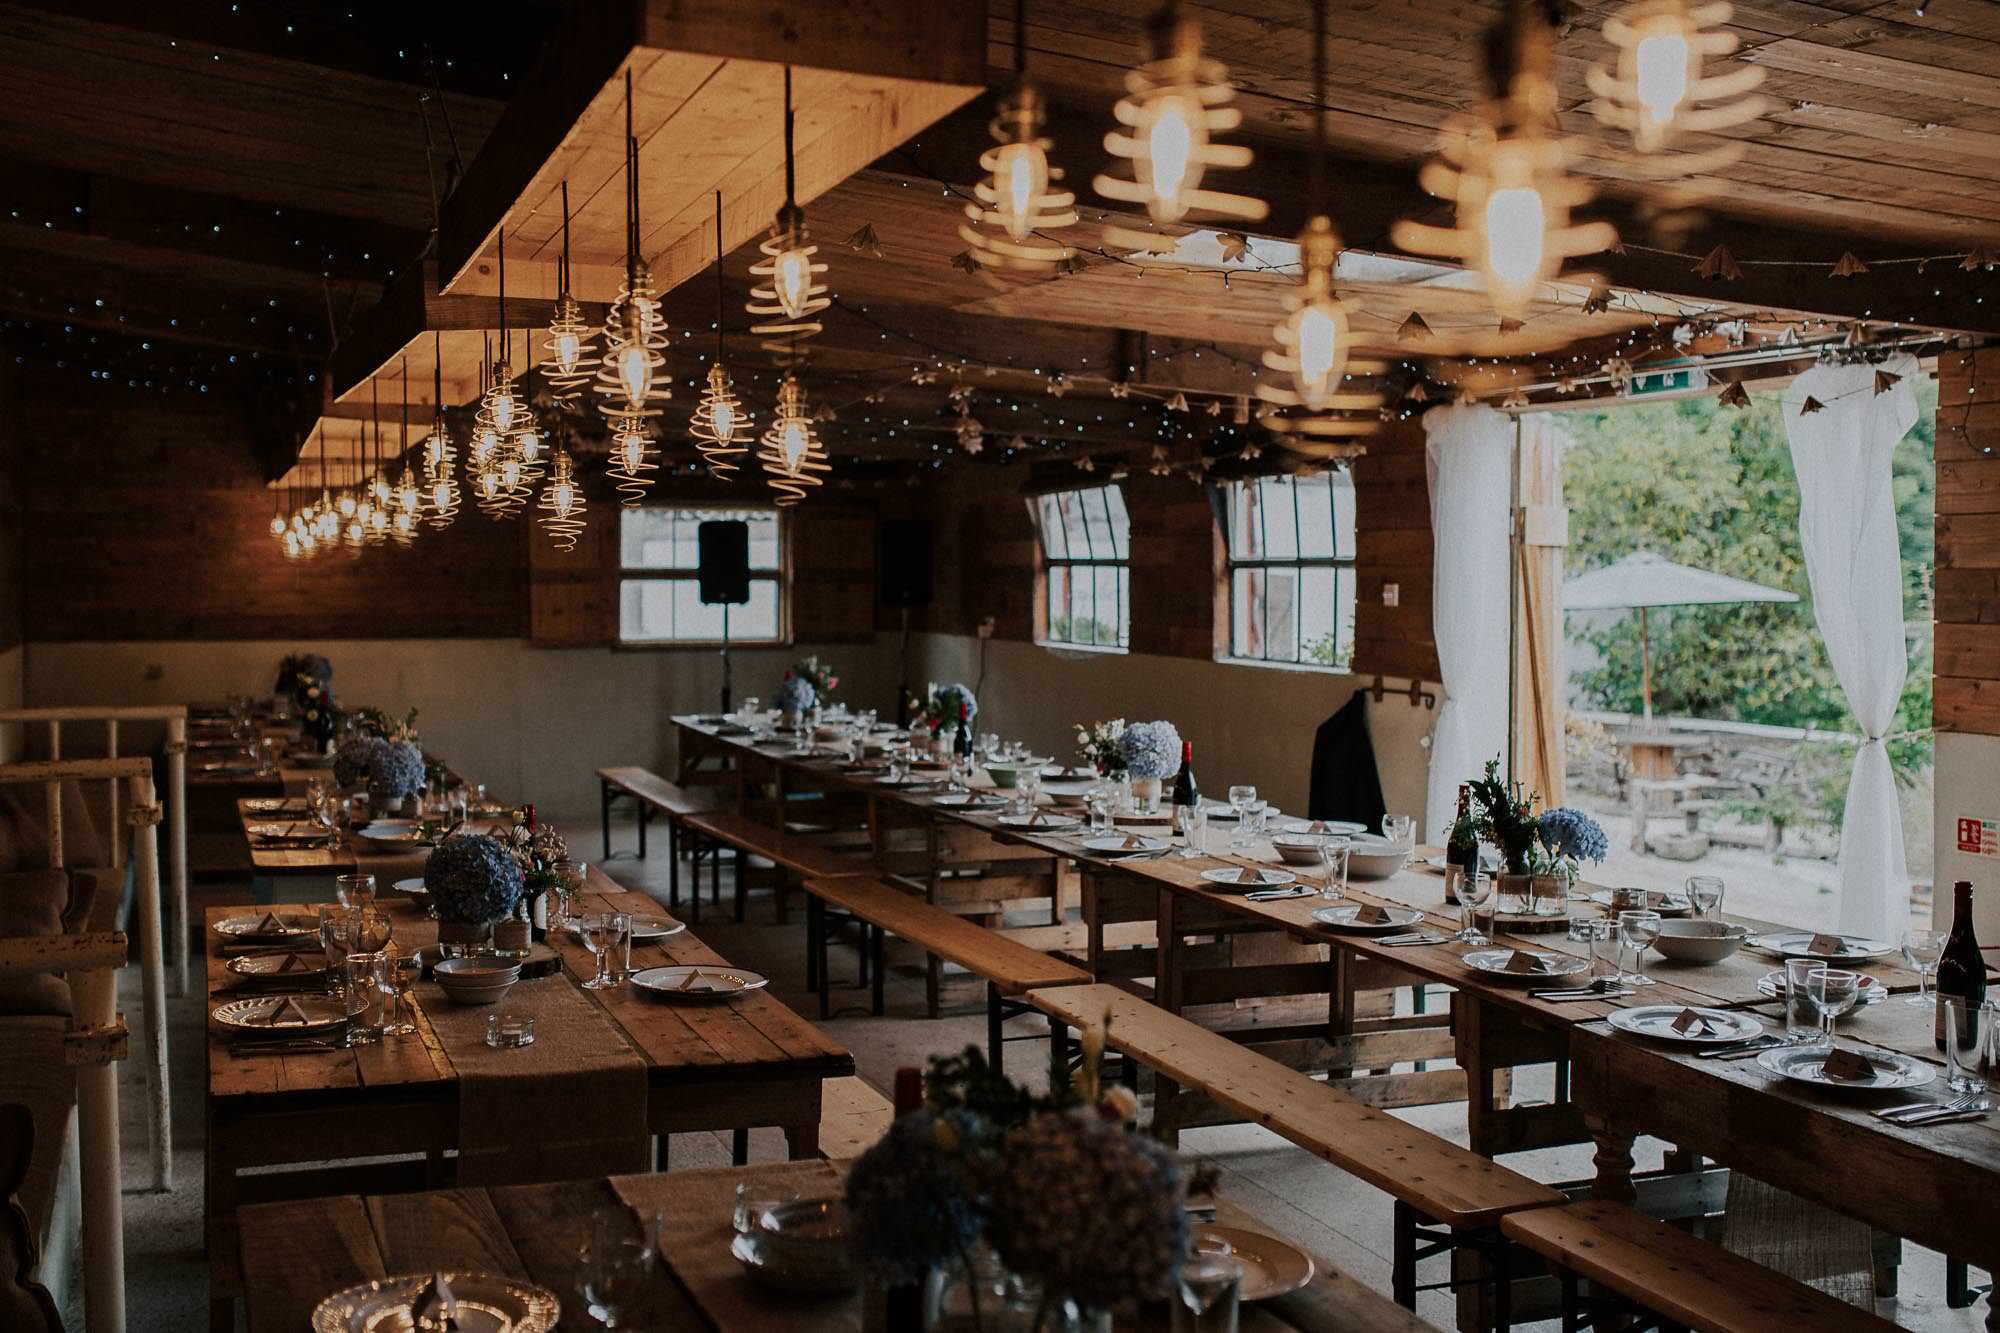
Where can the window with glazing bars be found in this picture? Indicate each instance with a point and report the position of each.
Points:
(1086, 552)
(1291, 569)
(659, 585)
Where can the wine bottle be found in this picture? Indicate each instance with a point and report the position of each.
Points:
(962, 745)
(1186, 792)
(1461, 847)
(1961, 970)
(899, 1309)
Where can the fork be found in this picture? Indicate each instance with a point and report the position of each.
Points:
(1903, 1115)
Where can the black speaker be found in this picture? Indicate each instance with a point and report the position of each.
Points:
(724, 546)
(905, 560)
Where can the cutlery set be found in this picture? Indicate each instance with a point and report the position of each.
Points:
(1604, 988)
(1972, 1107)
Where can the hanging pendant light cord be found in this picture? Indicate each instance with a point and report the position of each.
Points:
(562, 265)
(718, 277)
(1316, 169)
(791, 194)
(1021, 39)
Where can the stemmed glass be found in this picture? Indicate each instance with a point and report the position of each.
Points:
(1333, 852)
(1239, 800)
(1472, 891)
(1832, 991)
(1637, 931)
(1400, 830)
(336, 931)
(354, 890)
(1029, 782)
(1923, 949)
(324, 808)
(1191, 822)
(601, 935)
(618, 1267)
(1705, 892)
(570, 878)
(403, 971)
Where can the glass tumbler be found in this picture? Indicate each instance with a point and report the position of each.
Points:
(1211, 1285)
(1968, 1045)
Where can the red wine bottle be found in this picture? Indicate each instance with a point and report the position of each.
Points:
(1186, 792)
(902, 1307)
(1961, 970)
(962, 744)
(1462, 851)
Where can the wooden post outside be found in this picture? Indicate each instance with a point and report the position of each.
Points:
(145, 818)
(177, 852)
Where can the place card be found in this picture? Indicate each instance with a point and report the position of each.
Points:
(287, 1008)
(1134, 843)
(291, 963)
(1370, 914)
(1691, 1024)
(1250, 877)
(1848, 1066)
(1526, 963)
(1831, 946)
(271, 923)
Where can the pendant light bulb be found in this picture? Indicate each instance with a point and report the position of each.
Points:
(725, 423)
(1658, 90)
(277, 525)
(1661, 60)
(793, 280)
(1020, 175)
(529, 442)
(632, 450)
(1169, 124)
(635, 369)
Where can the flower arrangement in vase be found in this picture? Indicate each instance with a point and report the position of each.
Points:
(475, 881)
(795, 695)
(1564, 837)
(819, 674)
(395, 772)
(307, 678)
(1077, 1214)
(354, 759)
(1152, 753)
(371, 721)
(539, 851)
(1539, 852)
(1097, 744)
(945, 709)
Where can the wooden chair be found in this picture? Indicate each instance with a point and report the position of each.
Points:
(1647, 1274)
(95, 1040)
(132, 779)
(174, 718)
(1010, 969)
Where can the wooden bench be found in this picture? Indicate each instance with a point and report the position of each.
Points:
(1677, 1277)
(796, 856)
(1432, 1180)
(653, 795)
(1009, 969)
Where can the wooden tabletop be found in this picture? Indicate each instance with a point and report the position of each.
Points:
(295, 1254)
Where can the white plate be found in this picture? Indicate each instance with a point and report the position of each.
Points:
(644, 927)
(391, 830)
(322, 1014)
(1043, 821)
(272, 965)
(487, 1303)
(1492, 964)
(1083, 777)
(1115, 844)
(886, 781)
(698, 983)
(1270, 1266)
(960, 800)
(289, 830)
(1231, 877)
(1666, 904)
(1657, 1021)
(1792, 944)
(1489, 862)
(1322, 826)
(274, 805)
(410, 886)
(1806, 1064)
(256, 926)
(1772, 984)
(1342, 918)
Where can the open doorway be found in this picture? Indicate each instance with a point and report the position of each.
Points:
(1743, 767)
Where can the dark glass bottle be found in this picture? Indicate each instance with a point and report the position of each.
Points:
(1961, 972)
(903, 1307)
(962, 744)
(1186, 790)
(1462, 850)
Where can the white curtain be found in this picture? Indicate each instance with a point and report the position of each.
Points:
(1467, 455)
(1847, 525)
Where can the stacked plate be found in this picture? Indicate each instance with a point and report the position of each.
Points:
(487, 1302)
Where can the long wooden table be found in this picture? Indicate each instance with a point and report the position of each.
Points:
(296, 1254)
(1725, 1110)
(744, 1064)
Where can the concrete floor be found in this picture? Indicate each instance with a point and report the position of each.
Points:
(1329, 1213)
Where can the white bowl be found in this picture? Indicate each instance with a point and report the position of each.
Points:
(1007, 772)
(476, 980)
(1068, 793)
(1298, 849)
(1690, 941)
(1375, 857)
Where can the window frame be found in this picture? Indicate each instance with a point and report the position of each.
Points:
(780, 578)
(1048, 563)
(1342, 567)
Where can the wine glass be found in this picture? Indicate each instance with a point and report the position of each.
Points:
(1253, 819)
(370, 929)
(1637, 931)
(324, 807)
(354, 890)
(1832, 991)
(618, 1268)
(1333, 853)
(403, 971)
(1400, 830)
(1923, 949)
(1705, 892)
(1239, 798)
(1191, 822)
(600, 936)
(1472, 891)
(1029, 780)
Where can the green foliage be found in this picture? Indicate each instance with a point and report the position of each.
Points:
(1506, 818)
(1713, 487)
(1084, 630)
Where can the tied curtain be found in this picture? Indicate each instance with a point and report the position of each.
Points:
(1847, 527)
(1467, 454)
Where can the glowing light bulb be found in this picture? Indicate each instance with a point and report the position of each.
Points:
(1020, 175)
(1662, 62)
(1316, 329)
(792, 444)
(503, 411)
(434, 447)
(291, 543)
(632, 451)
(308, 542)
(378, 520)
(1516, 227)
(510, 473)
(569, 350)
(441, 494)
(635, 372)
(531, 446)
(347, 504)
(724, 422)
(791, 278)
(564, 498)
(1172, 139)
(406, 523)
(277, 525)
(484, 445)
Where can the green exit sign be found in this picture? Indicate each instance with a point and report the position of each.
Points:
(1685, 378)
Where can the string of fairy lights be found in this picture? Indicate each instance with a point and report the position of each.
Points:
(1504, 172)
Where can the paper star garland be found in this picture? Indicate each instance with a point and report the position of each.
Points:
(1412, 326)
(1811, 405)
(1848, 266)
(865, 241)
(1718, 263)
(1735, 396)
(1886, 380)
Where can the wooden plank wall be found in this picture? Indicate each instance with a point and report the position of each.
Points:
(1392, 544)
(12, 547)
(147, 520)
(1967, 589)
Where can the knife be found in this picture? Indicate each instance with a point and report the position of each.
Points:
(1738, 1050)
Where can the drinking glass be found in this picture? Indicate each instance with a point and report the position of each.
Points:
(1801, 1021)
(1253, 819)
(1333, 854)
(1238, 798)
(336, 930)
(324, 807)
(1705, 892)
(1102, 799)
(1029, 780)
(1968, 1045)
(403, 971)
(354, 890)
(571, 876)
(267, 756)
(1832, 991)
(1191, 821)
(1923, 949)
(1472, 891)
(1607, 952)
(370, 929)
(1637, 931)
(1400, 830)
(618, 1268)
(367, 992)
(754, 1199)
(1210, 1289)
(600, 936)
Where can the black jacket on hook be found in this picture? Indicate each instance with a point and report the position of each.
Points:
(1345, 783)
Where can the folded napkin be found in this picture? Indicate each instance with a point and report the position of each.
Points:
(434, 1306)
(1529, 964)
(291, 963)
